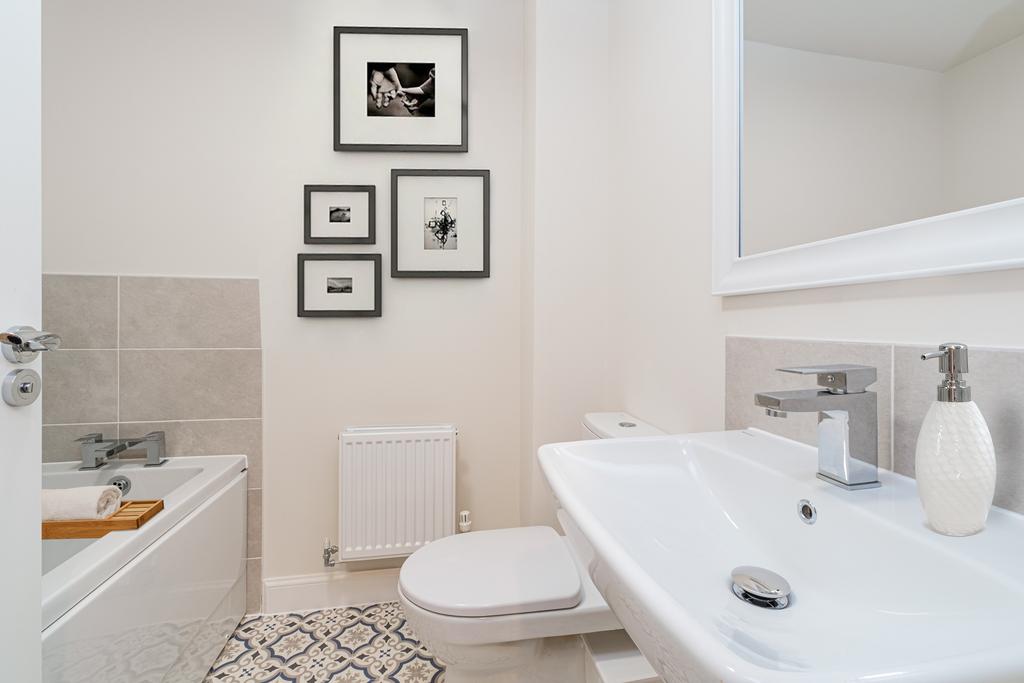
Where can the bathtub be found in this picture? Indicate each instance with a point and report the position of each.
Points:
(157, 603)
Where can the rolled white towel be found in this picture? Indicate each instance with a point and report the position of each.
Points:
(83, 502)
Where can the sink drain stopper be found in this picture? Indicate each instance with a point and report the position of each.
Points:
(760, 587)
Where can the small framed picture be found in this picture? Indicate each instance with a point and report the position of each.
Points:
(339, 285)
(340, 214)
(401, 89)
(440, 223)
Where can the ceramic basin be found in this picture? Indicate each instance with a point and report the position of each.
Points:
(876, 595)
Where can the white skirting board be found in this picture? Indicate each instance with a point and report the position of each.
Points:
(309, 592)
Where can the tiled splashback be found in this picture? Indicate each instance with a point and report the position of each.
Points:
(141, 354)
(905, 387)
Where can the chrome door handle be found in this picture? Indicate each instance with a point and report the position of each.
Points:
(23, 343)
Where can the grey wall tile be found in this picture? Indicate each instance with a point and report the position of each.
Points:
(196, 313)
(210, 437)
(82, 309)
(253, 586)
(751, 365)
(995, 379)
(79, 387)
(59, 440)
(186, 385)
(254, 528)
(158, 389)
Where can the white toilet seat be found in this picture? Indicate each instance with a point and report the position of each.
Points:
(493, 573)
(590, 614)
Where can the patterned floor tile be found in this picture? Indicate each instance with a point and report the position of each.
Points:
(371, 644)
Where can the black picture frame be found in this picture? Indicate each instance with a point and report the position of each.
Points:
(377, 281)
(307, 196)
(485, 271)
(340, 146)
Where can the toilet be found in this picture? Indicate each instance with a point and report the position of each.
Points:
(509, 605)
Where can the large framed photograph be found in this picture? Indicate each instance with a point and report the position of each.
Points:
(339, 286)
(401, 89)
(440, 223)
(340, 214)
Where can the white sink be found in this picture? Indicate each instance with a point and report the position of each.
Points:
(877, 596)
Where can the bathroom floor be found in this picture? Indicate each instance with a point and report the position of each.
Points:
(343, 645)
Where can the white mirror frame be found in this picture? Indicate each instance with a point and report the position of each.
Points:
(978, 239)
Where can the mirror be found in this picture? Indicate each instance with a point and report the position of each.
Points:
(858, 114)
(878, 123)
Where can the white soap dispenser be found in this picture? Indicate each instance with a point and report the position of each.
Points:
(955, 462)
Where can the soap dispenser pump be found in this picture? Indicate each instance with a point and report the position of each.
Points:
(955, 460)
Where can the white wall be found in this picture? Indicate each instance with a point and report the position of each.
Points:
(672, 331)
(20, 231)
(576, 223)
(861, 143)
(669, 359)
(983, 142)
(177, 139)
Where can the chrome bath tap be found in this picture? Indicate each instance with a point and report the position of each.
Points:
(847, 421)
(97, 452)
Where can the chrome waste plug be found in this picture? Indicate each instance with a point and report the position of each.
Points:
(121, 482)
(760, 587)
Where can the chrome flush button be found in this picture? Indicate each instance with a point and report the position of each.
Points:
(21, 387)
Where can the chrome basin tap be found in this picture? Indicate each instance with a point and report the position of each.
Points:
(847, 420)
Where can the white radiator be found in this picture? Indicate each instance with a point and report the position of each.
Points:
(396, 489)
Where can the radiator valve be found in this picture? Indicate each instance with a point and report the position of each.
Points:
(330, 550)
(465, 523)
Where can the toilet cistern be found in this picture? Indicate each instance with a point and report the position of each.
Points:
(847, 420)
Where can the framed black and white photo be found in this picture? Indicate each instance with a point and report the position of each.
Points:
(340, 214)
(339, 285)
(401, 89)
(440, 223)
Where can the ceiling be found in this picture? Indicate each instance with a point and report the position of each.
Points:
(926, 34)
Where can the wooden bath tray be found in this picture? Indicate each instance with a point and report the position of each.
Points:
(131, 515)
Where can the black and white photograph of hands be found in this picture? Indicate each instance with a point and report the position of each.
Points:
(400, 89)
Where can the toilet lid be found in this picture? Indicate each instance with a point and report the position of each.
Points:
(490, 573)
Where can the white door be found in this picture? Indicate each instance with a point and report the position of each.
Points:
(20, 239)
